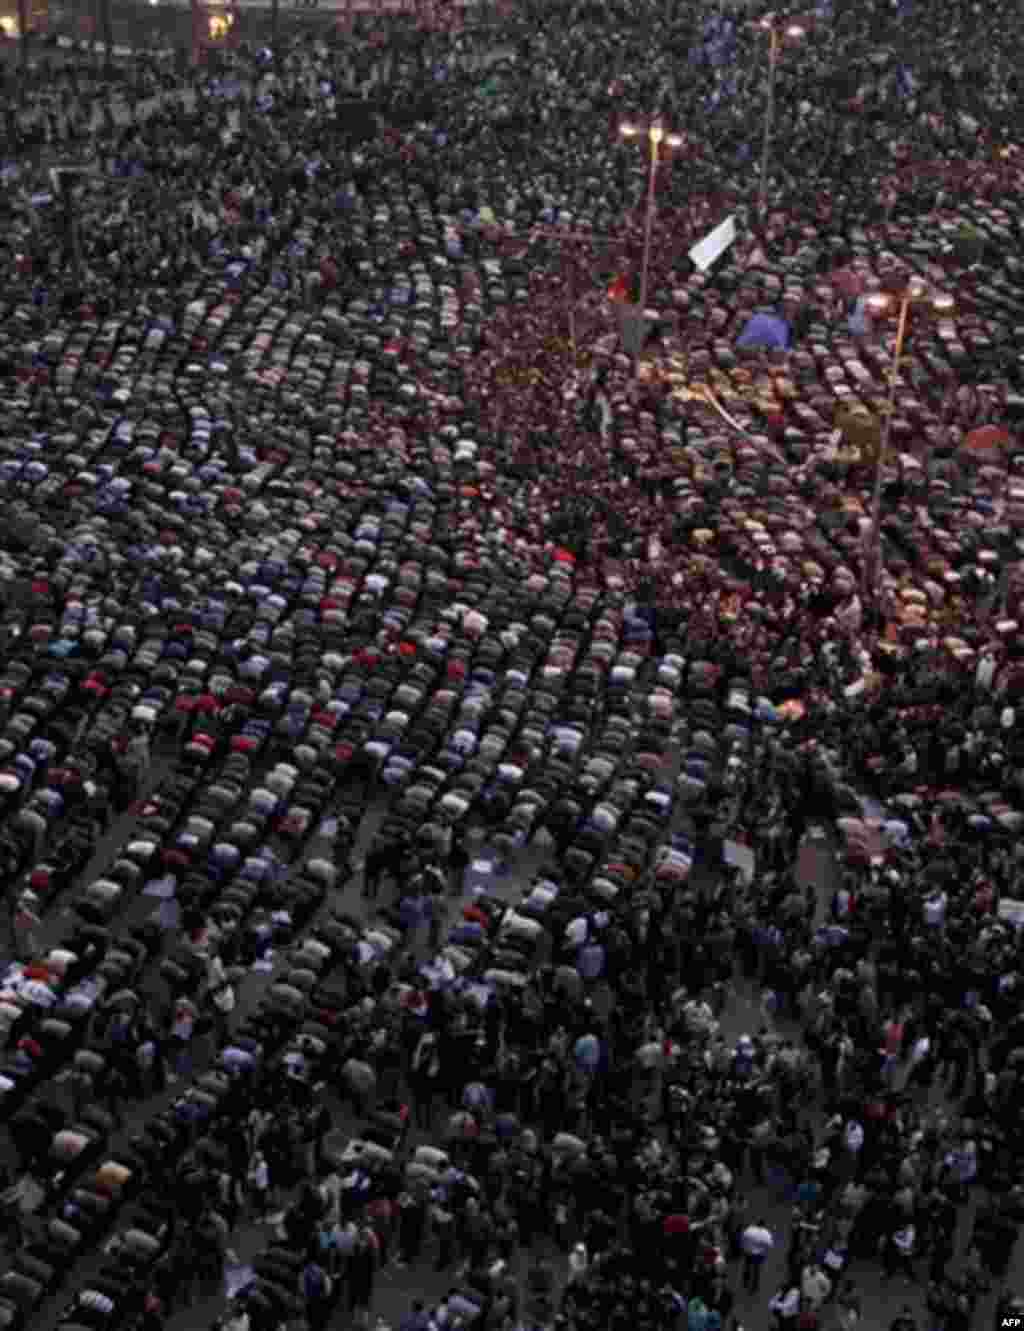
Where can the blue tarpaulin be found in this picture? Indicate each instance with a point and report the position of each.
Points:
(765, 330)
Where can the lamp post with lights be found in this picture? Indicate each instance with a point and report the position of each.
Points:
(23, 37)
(920, 296)
(656, 136)
(779, 31)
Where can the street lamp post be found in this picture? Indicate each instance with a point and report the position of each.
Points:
(195, 46)
(776, 33)
(108, 35)
(881, 302)
(23, 40)
(656, 136)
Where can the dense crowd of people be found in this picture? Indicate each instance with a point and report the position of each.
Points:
(346, 551)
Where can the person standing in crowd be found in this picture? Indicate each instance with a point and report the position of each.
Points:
(183, 1026)
(27, 923)
(425, 1077)
(437, 916)
(442, 1222)
(258, 1180)
(784, 1306)
(384, 859)
(132, 756)
(316, 1287)
(899, 1251)
(848, 1307)
(236, 1317)
(412, 1218)
(417, 1318)
(12, 1194)
(458, 861)
(361, 1274)
(756, 1242)
(220, 994)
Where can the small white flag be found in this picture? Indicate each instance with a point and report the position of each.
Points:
(714, 244)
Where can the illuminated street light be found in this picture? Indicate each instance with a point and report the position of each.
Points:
(656, 136)
(779, 31)
(919, 295)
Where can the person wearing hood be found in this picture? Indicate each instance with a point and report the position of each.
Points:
(27, 923)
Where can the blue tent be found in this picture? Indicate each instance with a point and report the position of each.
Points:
(765, 330)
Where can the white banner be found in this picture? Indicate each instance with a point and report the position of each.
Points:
(714, 244)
